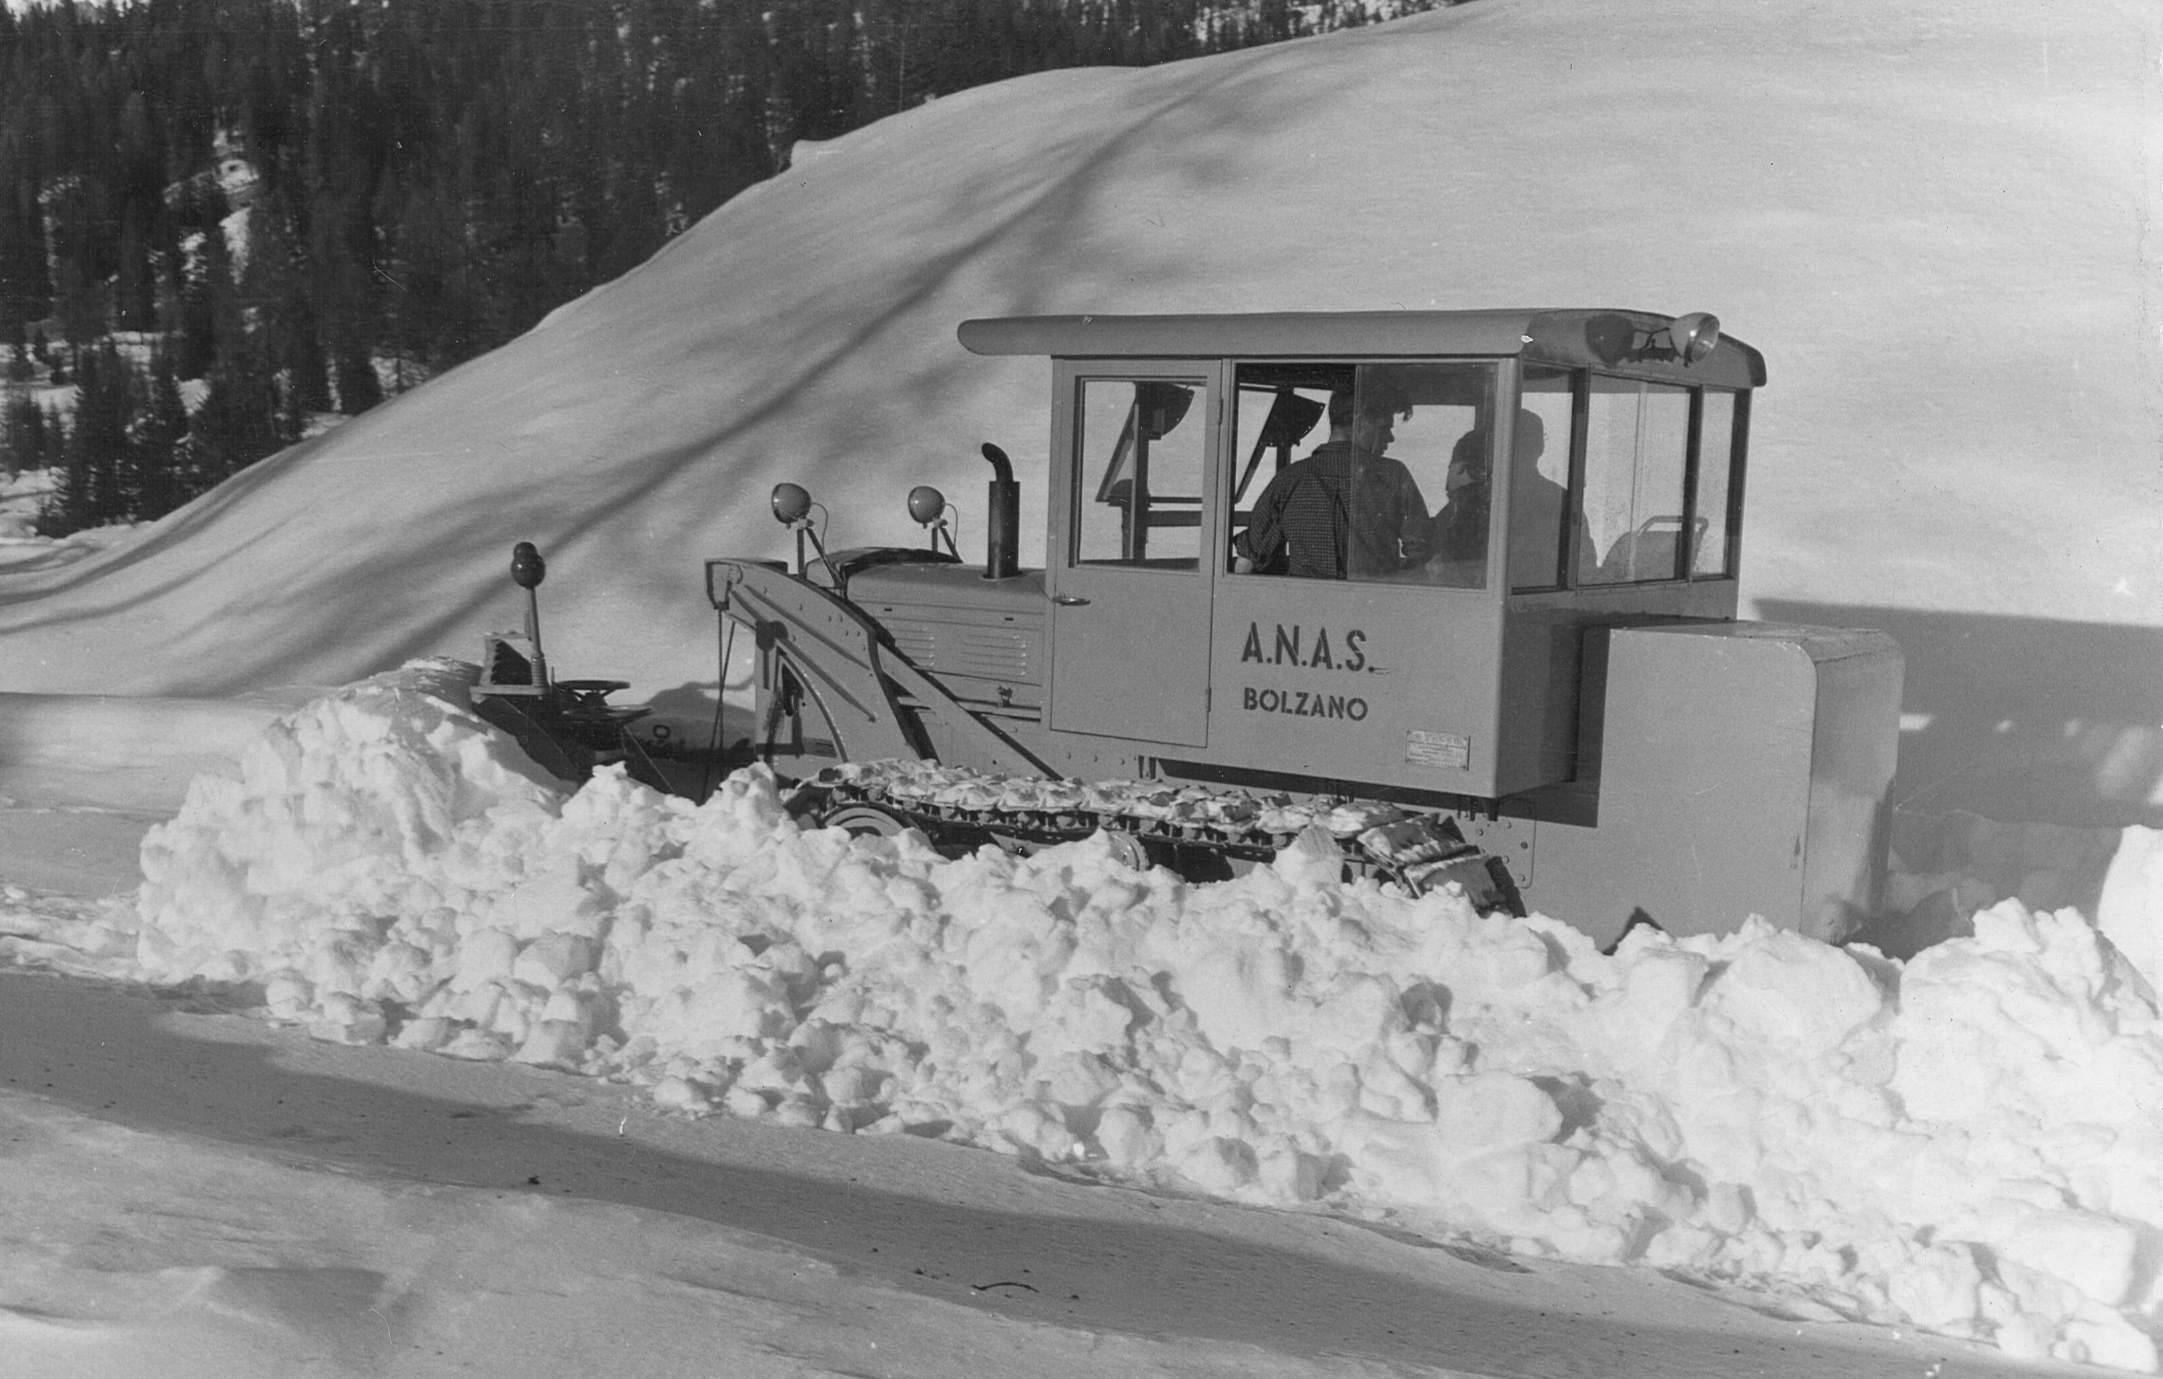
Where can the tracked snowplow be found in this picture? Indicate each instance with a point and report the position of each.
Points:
(1456, 590)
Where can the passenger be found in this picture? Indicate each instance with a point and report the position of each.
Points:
(1348, 508)
(1460, 528)
(1538, 508)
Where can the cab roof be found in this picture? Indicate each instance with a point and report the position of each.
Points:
(1610, 339)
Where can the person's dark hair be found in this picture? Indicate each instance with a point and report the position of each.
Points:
(1531, 432)
(1471, 451)
(1369, 403)
(1472, 445)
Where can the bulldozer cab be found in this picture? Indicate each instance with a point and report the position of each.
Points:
(1369, 547)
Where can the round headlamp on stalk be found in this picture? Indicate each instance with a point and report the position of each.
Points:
(527, 572)
(527, 567)
(926, 505)
(1694, 336)
(792, 504)
(927, 508)
(792, 509)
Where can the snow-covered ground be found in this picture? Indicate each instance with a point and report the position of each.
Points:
(606, 1041)
(191, 1193)
(546, 1047)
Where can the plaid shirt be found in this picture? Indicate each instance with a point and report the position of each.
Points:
(1337, 497)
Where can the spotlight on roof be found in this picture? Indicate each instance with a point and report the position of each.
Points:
(1695, 335)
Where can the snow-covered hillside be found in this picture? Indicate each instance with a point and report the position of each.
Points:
(1934, 218)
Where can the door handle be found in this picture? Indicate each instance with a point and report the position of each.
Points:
(1068, 600)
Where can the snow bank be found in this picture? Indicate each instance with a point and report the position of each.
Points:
(2130, 909)
(1965, 1143)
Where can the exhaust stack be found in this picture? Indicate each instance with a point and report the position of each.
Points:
(1003, 525)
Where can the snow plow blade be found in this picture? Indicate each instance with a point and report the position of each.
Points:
(568, 727)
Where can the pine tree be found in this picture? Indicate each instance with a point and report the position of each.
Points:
(26, 288)
(18, 350)
(22, 434)
(38, 440)
(243, 418)
(66, 508)
(141, 211)
(135, 291)
(273, 287)
(79, 297)
(344, 155)
(100, 465)
(162, 455)
(207, 294)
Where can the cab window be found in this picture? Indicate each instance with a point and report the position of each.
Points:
(1542, 515)
(1140, 472)
(1368, 472)
(1637, 444)
(1713, 557)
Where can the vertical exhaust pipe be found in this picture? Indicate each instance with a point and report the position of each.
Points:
(1002, 529)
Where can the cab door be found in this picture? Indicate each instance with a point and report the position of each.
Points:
(1134, 446)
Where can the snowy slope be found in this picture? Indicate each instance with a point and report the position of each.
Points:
(1934, 218)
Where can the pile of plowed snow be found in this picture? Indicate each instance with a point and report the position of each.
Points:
(1966, 1142)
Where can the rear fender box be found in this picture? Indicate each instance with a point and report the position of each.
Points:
(1730, 769)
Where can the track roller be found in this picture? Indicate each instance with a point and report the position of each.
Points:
(865, 821)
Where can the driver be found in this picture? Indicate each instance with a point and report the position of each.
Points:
(1348, 509)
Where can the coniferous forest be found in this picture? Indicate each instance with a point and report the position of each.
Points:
(222, 221)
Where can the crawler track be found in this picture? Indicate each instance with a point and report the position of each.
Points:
(1202, 833)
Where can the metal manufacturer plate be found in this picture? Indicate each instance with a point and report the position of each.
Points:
(1424, 748)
